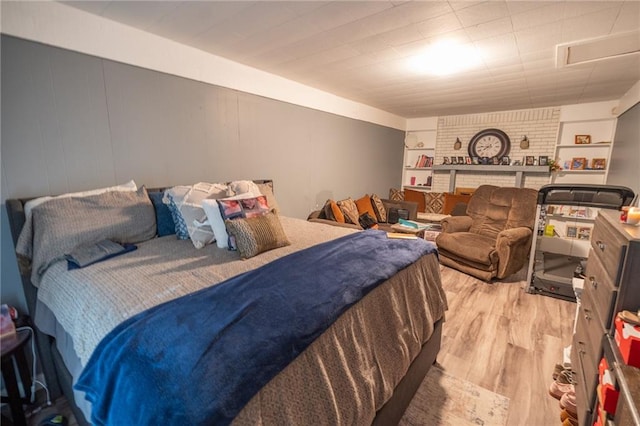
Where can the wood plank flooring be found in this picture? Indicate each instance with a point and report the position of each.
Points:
(505, 340)
(498, 337)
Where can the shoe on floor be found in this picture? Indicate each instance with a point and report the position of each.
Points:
(558, 390)
(570, 422)
(629, 317)
(564, 415)
(559, 368)
(568, 402)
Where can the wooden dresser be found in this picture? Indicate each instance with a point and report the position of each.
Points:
(612, 284)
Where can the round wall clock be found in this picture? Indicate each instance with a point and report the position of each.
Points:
(489, 143)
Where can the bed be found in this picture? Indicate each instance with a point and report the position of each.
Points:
(363, 368)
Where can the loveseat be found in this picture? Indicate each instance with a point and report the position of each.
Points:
(321, 216)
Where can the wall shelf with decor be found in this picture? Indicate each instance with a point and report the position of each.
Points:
(583, 150)
(517, 171)
(419, 155)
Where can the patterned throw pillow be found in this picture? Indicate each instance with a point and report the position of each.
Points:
(231, 209)
(396, 194)
(434, 202)
(378, 207)
(350, 210)
(332, 211)
(182, 233)
(255, 235)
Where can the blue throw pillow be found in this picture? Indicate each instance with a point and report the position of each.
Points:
(164, 218)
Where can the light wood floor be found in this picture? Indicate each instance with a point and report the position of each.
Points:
(505, 340)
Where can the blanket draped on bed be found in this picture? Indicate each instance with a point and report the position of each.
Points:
(200, 358)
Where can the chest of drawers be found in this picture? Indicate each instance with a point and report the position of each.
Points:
(612, 284)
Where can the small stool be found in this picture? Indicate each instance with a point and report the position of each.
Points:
(13, 348)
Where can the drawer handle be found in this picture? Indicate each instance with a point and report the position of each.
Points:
(600, 245)
(586, 315)
(593, 282)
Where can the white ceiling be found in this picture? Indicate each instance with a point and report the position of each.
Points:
(359, 50)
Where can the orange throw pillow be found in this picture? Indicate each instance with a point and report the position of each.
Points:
(416, 196)
(364, 206)
(333, 212)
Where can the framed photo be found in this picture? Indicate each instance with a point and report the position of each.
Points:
(578, 163)
(467, 160)
(572, 231)
(517, 163)
(584, 233)
(505, 161)
(495, 161)
(529, 160)
(445, 160)
(454, 159)
(461, 160)
(475, 160)
(485, 160)
(543, 160)
(599, 163)
(583, 139)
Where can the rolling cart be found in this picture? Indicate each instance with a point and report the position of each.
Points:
(558, 253)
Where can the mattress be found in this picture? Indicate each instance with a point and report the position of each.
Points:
(359, 359)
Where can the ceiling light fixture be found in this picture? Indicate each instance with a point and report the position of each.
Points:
(445, 57)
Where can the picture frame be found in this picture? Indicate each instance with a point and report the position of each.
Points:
(578, 163)
(475, 160)
(505, 161)
(599, 163)
(529, 160)
(467, 160)
(516, 163)
(572, 231)
(485, 160)
(543, 160)
(583, 139)
(445, 161)
(584, 233)
(454, 159)
(460, 160)
(495, 161)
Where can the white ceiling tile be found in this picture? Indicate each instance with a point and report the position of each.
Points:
(550, 12)
(629, 17)
(595, 24)
(490, 29)
(482, 12)
(443, 24)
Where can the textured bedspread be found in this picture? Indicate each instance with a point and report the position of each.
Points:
(329, 383)
(241, 333)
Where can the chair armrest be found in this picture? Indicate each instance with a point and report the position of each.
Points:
(412, 206)
(456, 224)
(334, 223)
(513, 247)
(514, 236)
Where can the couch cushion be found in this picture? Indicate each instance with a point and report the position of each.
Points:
(494, 209)
(396, 194)
(433, 202)
(364, 205)
(378, 206)
(350, 210)
(333, 212)
(415, 196)
(476, 248)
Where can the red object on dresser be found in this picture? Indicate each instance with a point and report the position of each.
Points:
(607, 392)
(628, 341)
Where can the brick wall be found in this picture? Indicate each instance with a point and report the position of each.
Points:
(539, 125)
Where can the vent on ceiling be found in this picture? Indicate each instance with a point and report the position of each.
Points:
(597, 49)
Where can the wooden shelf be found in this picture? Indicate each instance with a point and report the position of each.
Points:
(518, 171)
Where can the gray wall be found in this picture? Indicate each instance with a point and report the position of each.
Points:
(72, 122)
(625, 154)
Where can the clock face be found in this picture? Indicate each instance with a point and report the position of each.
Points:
(489, 143)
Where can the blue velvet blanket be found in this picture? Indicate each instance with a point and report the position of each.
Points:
(200, 358)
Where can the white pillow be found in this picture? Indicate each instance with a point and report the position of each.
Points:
(214, 217)
(189, 200)
(241, 187)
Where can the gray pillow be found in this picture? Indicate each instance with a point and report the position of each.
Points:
(60, 225)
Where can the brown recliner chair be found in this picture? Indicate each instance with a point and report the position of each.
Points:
(494, 238)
